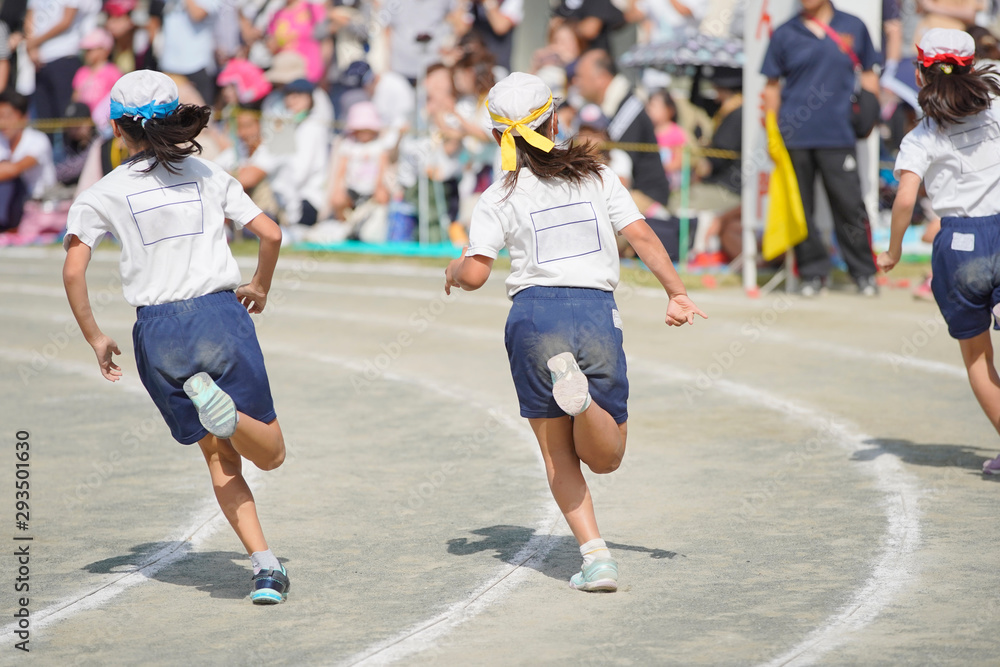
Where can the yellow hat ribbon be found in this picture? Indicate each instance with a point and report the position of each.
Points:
(508, 153)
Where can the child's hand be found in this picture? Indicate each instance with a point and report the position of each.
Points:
(104, 347)
(252, 297)
(682, 311)
(886, 262)
(449, 273)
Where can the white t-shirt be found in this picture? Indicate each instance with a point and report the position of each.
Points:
(300, 174)
(34, 144)
(363, 163)
(46, 14)
(558, 234)
(667, 21)
(960, 164)
(171, 227)
(188, 46)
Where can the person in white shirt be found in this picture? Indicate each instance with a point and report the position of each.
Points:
(557, 211)
(189, 43)
(955, 153)
(196, 350)
(53, 32)
(26, 166)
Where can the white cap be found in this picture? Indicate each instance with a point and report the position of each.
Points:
(517, 97)
(942, 45)
(144, 94)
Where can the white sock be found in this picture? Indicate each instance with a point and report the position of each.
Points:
(264, 560)
(593, 550)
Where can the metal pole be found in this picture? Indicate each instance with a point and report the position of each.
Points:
(685, 230)
(423, 201)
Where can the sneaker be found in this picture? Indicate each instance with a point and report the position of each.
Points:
(216, 410)
(270, 586)
(992, 467)
(811, 287)
(569, 384)
(601, 575)
(867, 286)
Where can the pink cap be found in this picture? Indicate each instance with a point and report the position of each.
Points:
(119, 7)
(251, 83)
(98, 38)
(363, 116)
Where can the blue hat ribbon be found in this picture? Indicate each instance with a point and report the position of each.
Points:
(146, 111)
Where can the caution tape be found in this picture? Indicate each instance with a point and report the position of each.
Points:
(697, 151)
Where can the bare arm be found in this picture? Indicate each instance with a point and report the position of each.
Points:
(253, 295)
(11, 170)
(34, 41)
(893, 40)
(468, 273)
(869, 81)
(75, 282)
(499, 22)
(647, 245)
(965, 14)
(195, 11)
(772, 96)
(4, 74)
(902, 214)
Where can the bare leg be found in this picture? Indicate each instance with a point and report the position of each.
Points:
(977, 353)
(562, 467)
(599, 441)
(261, 444)
(232, 492)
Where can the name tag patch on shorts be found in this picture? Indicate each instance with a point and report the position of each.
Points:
(616, 318)
(964, 242)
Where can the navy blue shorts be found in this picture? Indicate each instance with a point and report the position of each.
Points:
(546, 321)
(211, 333)
(966, 263)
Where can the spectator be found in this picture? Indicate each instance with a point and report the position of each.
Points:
(296, 165)
(53, 41)
(412, 21)
(494, 21)
(593, 130)
(563, 49)
(77, 141)
(396, 102)
(670, 137)
(294, 28)
(808, 69)
(593, 21)
(597, 82)
(93, 82)
(359, 162)
(123, 32)
(26, 167)
(189, 43)
(668, 19)
(286, 67)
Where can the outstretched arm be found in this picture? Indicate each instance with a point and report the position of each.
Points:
(647, 245)
(75, 281)
(253, 295)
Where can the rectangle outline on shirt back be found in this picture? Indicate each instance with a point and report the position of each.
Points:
(593, 217)
(128, 198)
(973, 138)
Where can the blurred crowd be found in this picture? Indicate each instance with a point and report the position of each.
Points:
(344, 119)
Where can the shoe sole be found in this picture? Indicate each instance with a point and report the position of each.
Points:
(212, 404)
(265, 596)
(991, 471)
(571, 390)
(599, 586)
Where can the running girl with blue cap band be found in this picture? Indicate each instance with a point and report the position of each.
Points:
(557, 211)
(955, 153)
(195, 345)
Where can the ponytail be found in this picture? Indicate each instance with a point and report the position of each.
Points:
(168, 140)
(953, 92)
(574, 163)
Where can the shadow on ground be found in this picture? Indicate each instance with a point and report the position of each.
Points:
(939, 456)
(221, 574)
(562, 562)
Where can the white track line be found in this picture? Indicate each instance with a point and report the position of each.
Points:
(895, 565)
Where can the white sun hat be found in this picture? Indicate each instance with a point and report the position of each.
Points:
(144, 94)
(941, 45)
(518, 105)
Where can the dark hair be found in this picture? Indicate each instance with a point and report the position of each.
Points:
(15, 99)
(604, 61)
(668, 101)
(573, 163)
(948, 98)
(168, 140)
(482, 68)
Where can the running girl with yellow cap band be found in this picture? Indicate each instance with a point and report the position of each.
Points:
(557, 211)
